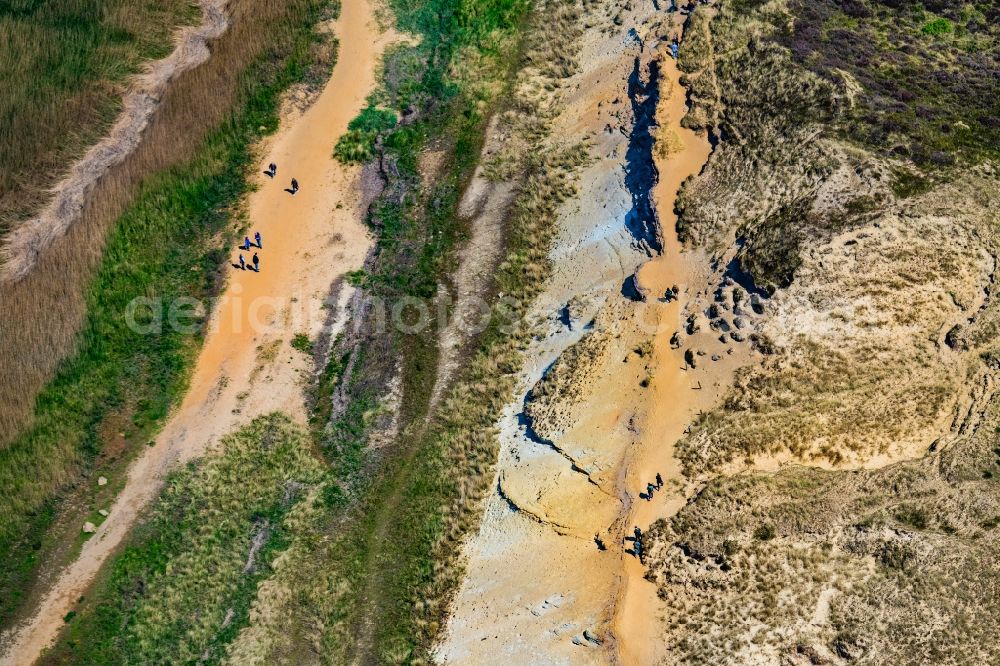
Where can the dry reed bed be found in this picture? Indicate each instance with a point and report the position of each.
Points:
(64, 65)
(115, 385)
(28, 238)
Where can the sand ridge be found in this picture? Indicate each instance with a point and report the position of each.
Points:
(246, 367)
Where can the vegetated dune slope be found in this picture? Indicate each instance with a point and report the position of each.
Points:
(248, 366)
(865, 199)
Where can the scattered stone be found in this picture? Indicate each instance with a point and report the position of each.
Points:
(103, 512)
(554, 601)
(715, 357)
(102, 481)
(738, 322)
(736, 336)
(89, 527)
(633, 291)
(592, 637)
(689, 358)
(954, 340)
(675, 340)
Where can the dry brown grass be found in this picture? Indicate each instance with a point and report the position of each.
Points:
(64, 65)
(41, 315)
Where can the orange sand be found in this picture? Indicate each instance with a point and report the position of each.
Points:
(673, 400)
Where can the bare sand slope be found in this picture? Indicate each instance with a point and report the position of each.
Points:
(537, 585)
(247, 367)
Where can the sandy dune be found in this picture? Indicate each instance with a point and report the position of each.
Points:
(247, 367)
(536, 581)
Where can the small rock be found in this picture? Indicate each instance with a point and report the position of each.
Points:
(592, 637)
(89, 527)
(102, 481)
(738, 322)
(715, 357)
(737, 337)
(103, 512)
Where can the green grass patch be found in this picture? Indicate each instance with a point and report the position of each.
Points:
(302, 343)
(938, 26)
(182, 588)
(358, 143)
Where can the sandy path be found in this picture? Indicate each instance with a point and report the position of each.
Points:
(246, 367)
(674, 399)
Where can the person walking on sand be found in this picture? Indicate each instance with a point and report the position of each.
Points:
(256, 262)
(272, 169)
(243, 263)
(295, 186)
(256, 237)
(246, 243)
(659, 480)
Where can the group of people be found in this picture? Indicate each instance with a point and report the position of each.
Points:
(636, 538)
(246, 248)
(270, 172)
(637, 547)
(653, 487)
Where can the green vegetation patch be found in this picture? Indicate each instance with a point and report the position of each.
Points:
(358, 143)
(929, 72)
(182, 588)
